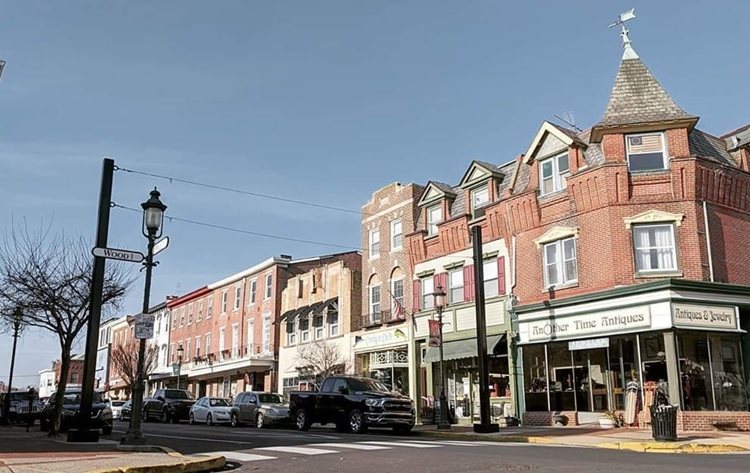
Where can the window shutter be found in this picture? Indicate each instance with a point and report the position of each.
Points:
(501, 275)
(417, 286)
(469, 282)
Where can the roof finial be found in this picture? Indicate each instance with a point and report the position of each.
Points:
(626, 43)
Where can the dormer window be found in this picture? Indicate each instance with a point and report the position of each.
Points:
(434, 216)
(646, 152)
(554, 173)
(480, 197)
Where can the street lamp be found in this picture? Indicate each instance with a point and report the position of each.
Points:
(440, 304)
(2, 66)
(153, 218)
(16, 321)
(180, 351)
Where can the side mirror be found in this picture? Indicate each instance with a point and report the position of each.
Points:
(160, 398)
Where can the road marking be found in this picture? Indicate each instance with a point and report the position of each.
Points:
(201, 439)
(355, 446)
(300, 450)
(239, 456)
(458, 443)
(401, 444)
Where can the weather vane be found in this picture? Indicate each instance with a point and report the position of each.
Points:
(628, 15)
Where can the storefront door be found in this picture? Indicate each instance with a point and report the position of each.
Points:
(591, 379)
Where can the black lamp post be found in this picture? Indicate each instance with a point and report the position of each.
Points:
(17, 319)
(440, 304)
(2, 66)
(153, 218)
(180, 351)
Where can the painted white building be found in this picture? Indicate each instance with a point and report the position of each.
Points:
(160, 373)
(47, 383)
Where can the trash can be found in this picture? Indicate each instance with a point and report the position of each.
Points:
(664, 422)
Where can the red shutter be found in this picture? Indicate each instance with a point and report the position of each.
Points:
(469, 282)
(501, 275)
(416, 289)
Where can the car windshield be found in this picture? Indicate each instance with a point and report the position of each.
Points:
(271, 398)
(74, 397)
(217, 401)
(176, 394)
(367, 385)
(118, 403)
(19, 396)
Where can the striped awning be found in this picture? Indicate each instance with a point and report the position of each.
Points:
(457, 349)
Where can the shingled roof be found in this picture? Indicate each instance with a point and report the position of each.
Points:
(637, 98)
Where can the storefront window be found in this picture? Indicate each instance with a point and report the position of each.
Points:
(563, 377)
(623, 363)
(535, 378)
(654, 360)
(729, 381)
(695, 371)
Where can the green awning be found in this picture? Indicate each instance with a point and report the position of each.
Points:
(458, 349)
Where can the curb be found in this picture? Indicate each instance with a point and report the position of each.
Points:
(485, 437)
(184, 466)
(661, 447)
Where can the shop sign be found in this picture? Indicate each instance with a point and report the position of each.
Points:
(372, 340)
(434, 326)
(704, 316)
(611, 321)
(588, 344)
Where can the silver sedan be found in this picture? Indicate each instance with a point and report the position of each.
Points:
(211, 410)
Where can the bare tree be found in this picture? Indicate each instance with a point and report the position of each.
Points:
(124, 361)
(48, 277)
(320, 359)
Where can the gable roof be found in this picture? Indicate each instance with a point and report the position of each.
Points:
(567, 136)
(480, 170)
(637, 98)
(434, 191)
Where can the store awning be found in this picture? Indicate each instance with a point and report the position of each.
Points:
(458, 349)
(325, 305)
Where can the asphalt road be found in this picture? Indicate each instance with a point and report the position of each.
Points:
(325, 450)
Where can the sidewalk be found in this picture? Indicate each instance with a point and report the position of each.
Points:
(34, 452)
(639, 440)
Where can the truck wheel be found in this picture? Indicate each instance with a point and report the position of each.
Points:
(357, 423)
(260, 421)
(302, 420)
(235, 420)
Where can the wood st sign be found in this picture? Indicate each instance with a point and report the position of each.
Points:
(122, 255)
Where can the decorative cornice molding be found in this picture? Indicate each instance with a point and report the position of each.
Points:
(653, 216)
(556, 233)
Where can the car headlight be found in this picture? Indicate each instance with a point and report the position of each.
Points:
(13, 409)
(374, 402)
(68, 412)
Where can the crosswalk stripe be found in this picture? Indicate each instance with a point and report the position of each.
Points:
(355, 446)
(458, 443)
(300, 450)
(239, 456)
(401, 444)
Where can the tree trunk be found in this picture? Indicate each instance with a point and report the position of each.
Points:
(54, 425)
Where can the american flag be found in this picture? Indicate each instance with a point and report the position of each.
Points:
(644, 144)
(398, 308)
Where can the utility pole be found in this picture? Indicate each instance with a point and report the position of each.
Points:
(485, 426)
(83, 433)
(17, 316)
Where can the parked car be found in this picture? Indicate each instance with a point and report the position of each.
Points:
(260, 409)
(19, 411)
(211, 410)
(116, 407)
(168, 405)
(352, 403)
(101, 414)
(126, 410)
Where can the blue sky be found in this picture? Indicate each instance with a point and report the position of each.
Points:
(323, 101)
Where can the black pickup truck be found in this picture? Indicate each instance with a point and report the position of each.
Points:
(352, 404)
(168, 405)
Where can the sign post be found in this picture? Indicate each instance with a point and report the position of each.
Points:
(144, 326)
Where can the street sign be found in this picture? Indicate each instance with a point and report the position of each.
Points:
(161, 245)
(144, 326)
(122, 255)
(176, 369)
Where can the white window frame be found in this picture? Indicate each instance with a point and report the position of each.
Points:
(397, 298)
(291, 337)
(198, 346)
(453, 286)
(269, 286)
(663, 140)
(673, 247)
(428, 298)
(319, 332)
(560, 261)
(250, 336)
(200, 310)
(224, 300)
(222, 341)
(333, 325)
(485, 189)
(209, 306)
(235, 340)
(375, 290)
(489, 267)
(559, 179)
(397, 245)
(207, 342)
(374, 248)
(190, 313)
(432, 221)
(267, 333)
(237, 298)
(304, 334)
(253, 293)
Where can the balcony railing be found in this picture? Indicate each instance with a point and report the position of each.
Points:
(376, 319)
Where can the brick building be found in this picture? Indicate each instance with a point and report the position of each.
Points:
(318, 308)
(225, 336)
(627, 262)
(383, 338)
(120, 332)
